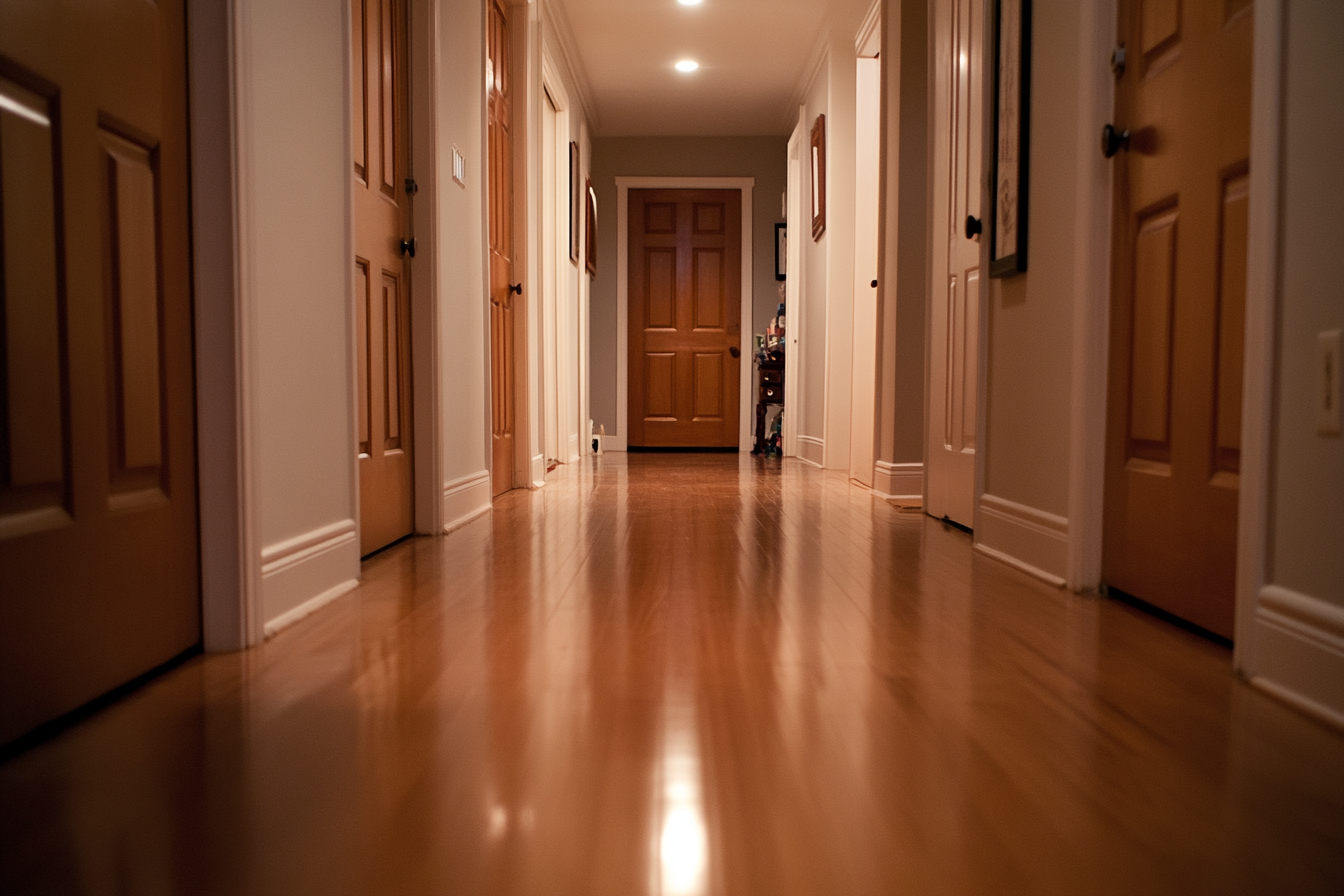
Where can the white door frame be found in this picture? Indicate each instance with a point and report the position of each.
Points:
(793, 285)
(624, 185)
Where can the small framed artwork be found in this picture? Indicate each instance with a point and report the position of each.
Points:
(1012, 120)
(819, 177)
(575, 204)
(781, 250)
(590, 261)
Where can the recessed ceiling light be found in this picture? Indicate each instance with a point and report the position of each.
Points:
(690, 2)
(687, 65)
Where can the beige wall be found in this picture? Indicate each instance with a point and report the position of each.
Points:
(903, 284)
(461, 263)
(764, 158)
(1307, 473)
(810, 366)
(295, 238)
(1026, 442)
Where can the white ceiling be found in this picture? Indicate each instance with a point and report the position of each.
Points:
(751, 55)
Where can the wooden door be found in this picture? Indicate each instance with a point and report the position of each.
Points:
(955, 310)
(98, 545)
(382, 294)
(1178, 306)
(503, 390)
(685, 317)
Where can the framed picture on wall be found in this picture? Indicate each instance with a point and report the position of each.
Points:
(819, 177)
(575, 204)
(1012, 119)
(781, 250)
(591, 230)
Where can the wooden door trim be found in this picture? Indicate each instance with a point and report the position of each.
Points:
(619, 441)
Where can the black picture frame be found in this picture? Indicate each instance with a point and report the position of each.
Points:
(1010, 156)
(781, 250)
(575, 204)
(818, 177)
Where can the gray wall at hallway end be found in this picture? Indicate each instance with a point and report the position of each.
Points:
(763, 158)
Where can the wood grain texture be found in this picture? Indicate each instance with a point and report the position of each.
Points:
(691, 674)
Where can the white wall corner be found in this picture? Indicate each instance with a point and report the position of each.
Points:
(304, 573)
(1025, 538)
(1258, 362)
(899, 482)
(465, 498)
(1300, 652)
(812, 450)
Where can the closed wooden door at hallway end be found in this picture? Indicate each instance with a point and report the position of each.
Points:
(685, 313)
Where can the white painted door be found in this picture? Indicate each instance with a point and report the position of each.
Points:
(955, 305)
(864, 373)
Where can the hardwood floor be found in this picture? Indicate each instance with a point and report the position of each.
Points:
(690, 674)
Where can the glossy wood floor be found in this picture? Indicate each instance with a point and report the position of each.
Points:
(690, 674)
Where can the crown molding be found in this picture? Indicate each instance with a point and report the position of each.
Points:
(565, 55)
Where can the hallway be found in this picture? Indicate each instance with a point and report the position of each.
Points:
(684, 674)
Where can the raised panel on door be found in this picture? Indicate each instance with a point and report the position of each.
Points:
(1178, 307)
(137, 393)
(955, 303)
(685, 318)
(34, 366)
(382, 321)
(98, 543)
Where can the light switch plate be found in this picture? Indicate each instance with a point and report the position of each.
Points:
(459, 167)
(1328, 380)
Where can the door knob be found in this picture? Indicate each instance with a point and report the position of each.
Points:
(1113, 141)
(973, 227)
(408, 247)
(516, 288)
(734, 351)
(874, 284)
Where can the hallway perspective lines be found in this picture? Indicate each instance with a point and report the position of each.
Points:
(687, 674)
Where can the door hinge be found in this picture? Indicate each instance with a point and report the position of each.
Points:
(1118, 60)
(411, 186)
(408, 247)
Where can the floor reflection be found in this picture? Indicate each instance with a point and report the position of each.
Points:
(689, 675)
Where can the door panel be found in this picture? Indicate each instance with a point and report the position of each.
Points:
(382, 318)
(98, 544)
(503, 389)
(954, 342)
(1178, 308)
(685, 317)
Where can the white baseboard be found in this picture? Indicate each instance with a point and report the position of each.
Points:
(465, 498)
(302, 574)
(898, 482)
(1031, 540)
(574, 448)
(811, 450)
(538, 471)
(1300, 651)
